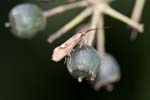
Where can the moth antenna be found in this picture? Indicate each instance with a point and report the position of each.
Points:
(91, 30)
(95, 29)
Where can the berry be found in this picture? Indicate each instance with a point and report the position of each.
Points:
(108, 73)
(83, 62)
(26, 20)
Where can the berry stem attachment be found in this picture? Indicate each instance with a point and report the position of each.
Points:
(63, 8)
(136, 15)
(101, 34)
(94, 21)
(113, 13)
(84, 14)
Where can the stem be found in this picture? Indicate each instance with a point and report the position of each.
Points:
(113, 13)
(137, 10)
(84, 14)
(136, 15)
(101, 34)
(94, 21)
(63, 8)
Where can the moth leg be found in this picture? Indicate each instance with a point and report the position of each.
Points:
(65, 60)
(81, 43)
(69, 53)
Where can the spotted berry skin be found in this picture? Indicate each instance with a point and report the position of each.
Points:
(83, 62)
(108, 73)
(26, 20)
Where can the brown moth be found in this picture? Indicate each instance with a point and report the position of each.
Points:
(65, 49)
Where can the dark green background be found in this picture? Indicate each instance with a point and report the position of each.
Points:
(27, 73)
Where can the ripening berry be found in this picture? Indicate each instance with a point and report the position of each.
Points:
(83, 62)
(26, 20)
(108, 73)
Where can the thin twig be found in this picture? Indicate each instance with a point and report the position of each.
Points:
(84, 14)
(63, 8)
(136, 15)
(113, 13)
(101, 34)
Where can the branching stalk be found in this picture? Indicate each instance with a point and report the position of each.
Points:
(113, 13)
(97, 6)
(84, 14)
(136, 15)
(63, 8)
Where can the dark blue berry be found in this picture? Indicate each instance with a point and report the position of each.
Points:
(83, 62)
(26, 20)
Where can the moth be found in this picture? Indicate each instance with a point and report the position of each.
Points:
(65, 49)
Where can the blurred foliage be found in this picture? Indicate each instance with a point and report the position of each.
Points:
(27, 73)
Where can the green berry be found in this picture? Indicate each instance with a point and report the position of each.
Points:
(108, 73)
(83, 62)
(26, 20)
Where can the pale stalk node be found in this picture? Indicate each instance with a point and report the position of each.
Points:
(136, 16)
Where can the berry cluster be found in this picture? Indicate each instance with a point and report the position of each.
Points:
(83, 61)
